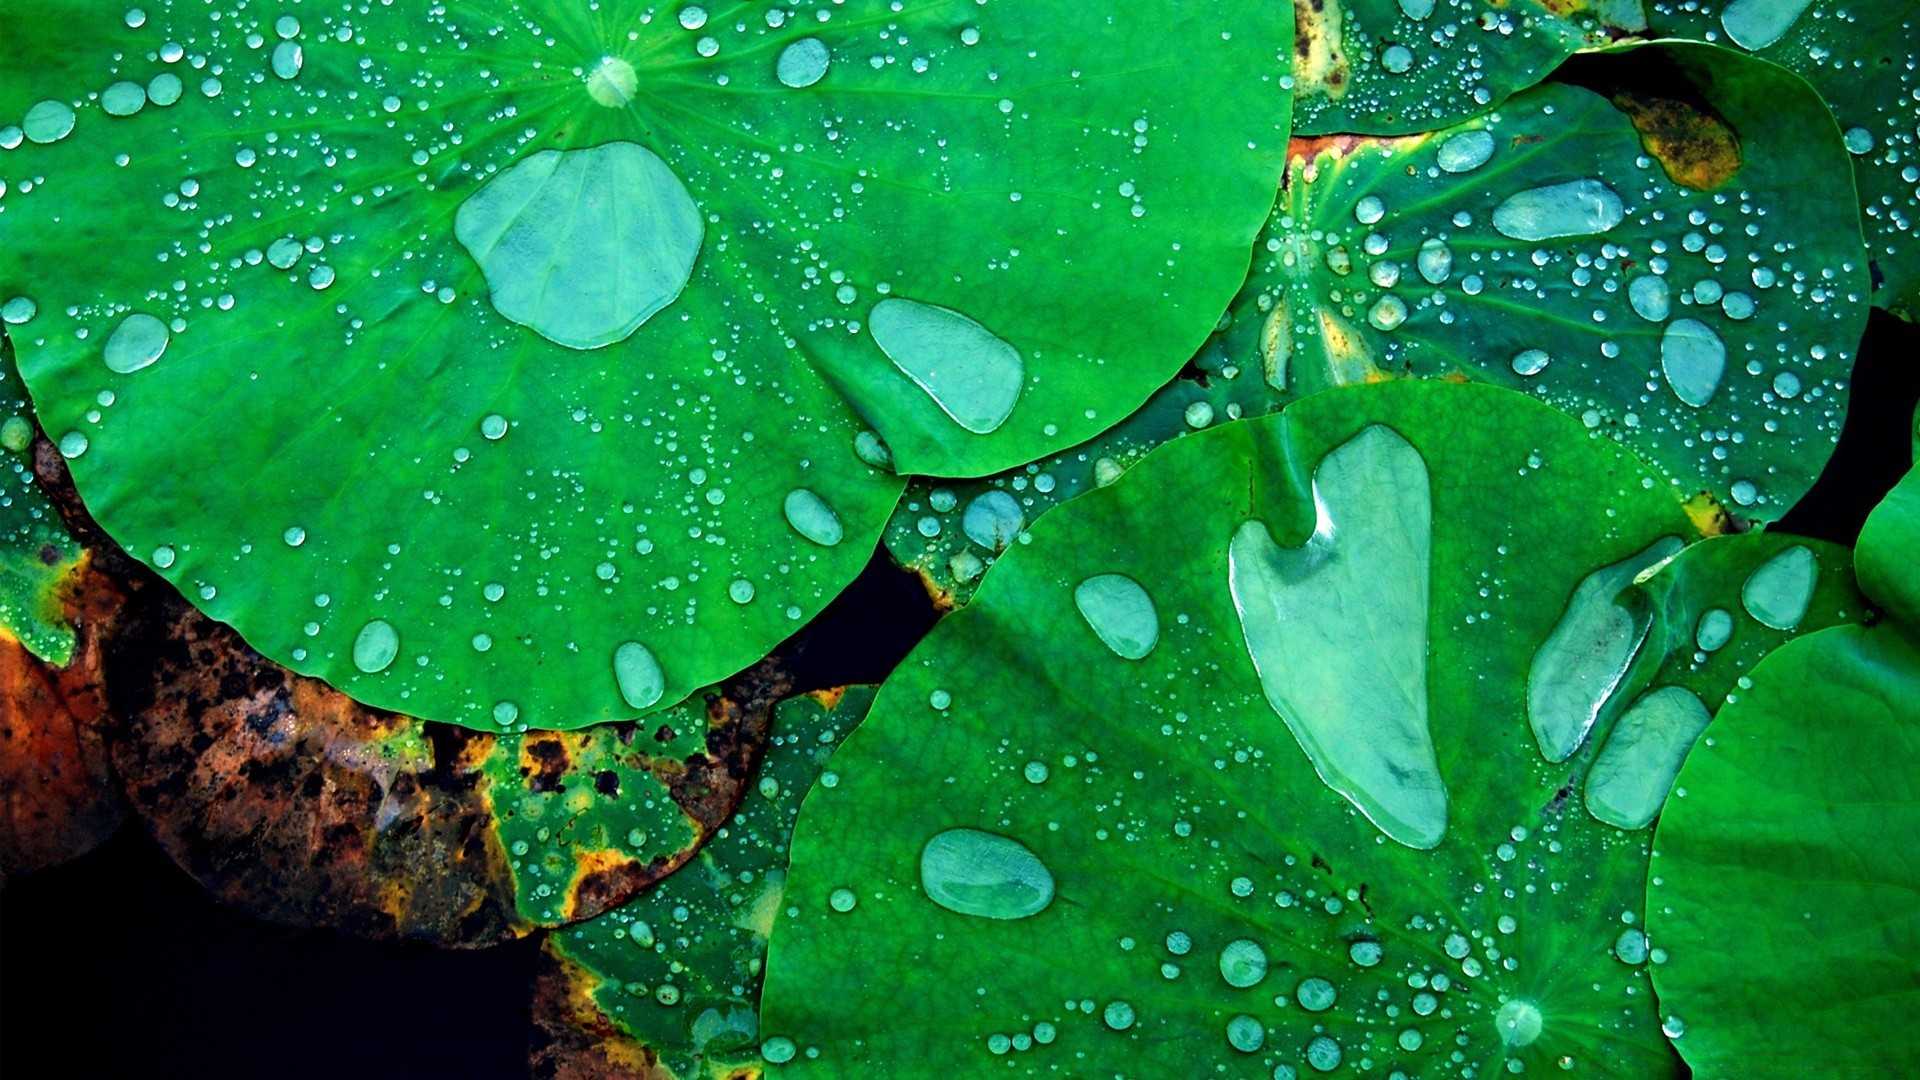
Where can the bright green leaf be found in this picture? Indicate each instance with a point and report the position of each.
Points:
(1191, 894)
(337, 269)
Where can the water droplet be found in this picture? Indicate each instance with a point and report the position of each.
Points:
(1673, 1027)
(505, 713)
(1417, 9)
(16, 434)
(993, 520)
(1323, 1053)
(1365, 953)
(812, 518)
(1369, 210)
(1466, 151)
(1714, 629)
(1353, 691)
(165, 89)
(1756, 24)
(1397, 59)
(1120, 612)
(1630, 947)
(693, 17)
(613, 82)
(972, 375)
(1118, 1015)
(163, 557)
(740, 591)
(1693, 358)
(493, 427)
(869, 447)
(73, 444)
(1243, 963)
(1574, 208)
(1778, 592)
(778, 1050)
(18, 310)
(375, 646)
(1315, 994)
(1388, 312)
(1636, 767)
(638, 675)
(803, 63)
(1650, 297)
(1577, 669)
(842, 900)
(1246, 1034)
(123, 99)
(1531, 362)
(1518, 1023)
(294, 536)
(981, 873)
(1435, 261)
(136, 343)
(48, 122)
(1858, 140)
(583, 246)
(1037, 772)
(288, 59)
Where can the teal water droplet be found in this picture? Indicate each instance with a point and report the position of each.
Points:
(638, 675)
(1576, 670)
(1417, 9)
(1650, 297)
(1635, 770)
(778, 1050)
(73, 444)
(1714, 630)
(870, 448)
(288, 59)
(1466, 151)
(1365, 953)
(981, 873)
(1315, 994)
(1246, 1033)
(803, 63)
(973, 376)
(136, 343)
(1693, 358)
(493, 427)
(842, 900)
(1410, 1039)
(1434, 261)
(1630, 947)
(294, 536)
(1243, 963)
(1037, 772)
(1369, 209)
(1387, 313)
(1779, 591)
(1353, 690)
(1756, 24)
(123, 99)
(740, 591)
(812, 518)
(1120, 612)
(993, 520)
(583, 246)
(1518, 1023)
(505, 713)
(613, 82)
(48, 122)
(1531, 362)
(1858, 140)
(163, 556)
(375, 646)
(165, 89)
(1573, 208)
(1324, 1053)
(19, 310)
(1118, 1015)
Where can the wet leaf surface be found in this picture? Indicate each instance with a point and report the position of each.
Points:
(669, 984)
(1167, 869)
(1561, 318)
(37, 555)
(313, 273)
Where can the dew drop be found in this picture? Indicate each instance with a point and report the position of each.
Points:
(136, 343)
(493, 427)
(165, 89)
(972, 872)
(1466, 151)
(812, 518)
(123, 99)
(993, 520)
(1714, 629)
(1635, 770)
(1693, 358)
(375, 646)
(1243, 963)
(1118, 1015)
(1574, 208)
(48, 122)
(802, 63)
(1650, 297)
(1756, 24)
(973, 376)
(73, 444)
(1531, 362)
(1434, 261)
(638, 675)
(1246, 1034)
(1518, 1023)
(288, 59)
(1120, 612)
(1777, 594)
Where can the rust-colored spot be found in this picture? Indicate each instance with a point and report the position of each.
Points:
(1696, 146)
(829, 698)
(575, 1040)
(1709, 515)
(1319, 54)
(544, 762)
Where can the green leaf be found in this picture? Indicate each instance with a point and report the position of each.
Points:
(1888, 558)
(1202, 893)
(1393, 67)
(678, 969)
(37, 554)
(317, 272)
(1860, 55)
(1757, 443)
(1784, 883)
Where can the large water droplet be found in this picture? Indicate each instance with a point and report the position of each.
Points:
(1337, 630)
(972, 375)
(288, 59)
(376, 646)
(1650, 297)
(1756, 24)
(993, 520)
(985, 874)
(1518, 1023)
(638, 675)
(1714, 630)
(123, 99)
(1315, 994)
(48, 122)
(803, 63)
(613, 82)
(1693, 358)
(1120, 612)
(1636, 767)
(1435, 261)
(1243, 963)
(1778, 592)
(1246, 1033)
(812, 518)
(1466, 151)
(1575, 208)
(583, 246)
(136, 343)
(1580, 665)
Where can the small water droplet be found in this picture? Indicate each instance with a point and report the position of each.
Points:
(842, 900)
(1118, 1015)
(1246, 1034)
(1531, 362)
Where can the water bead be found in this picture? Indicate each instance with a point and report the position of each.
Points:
(375, 647)
(802, 63)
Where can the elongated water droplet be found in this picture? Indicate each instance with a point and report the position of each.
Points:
(583, 246)
(136, 343)
(1243, 963)
(812, 518)
(1575, 208)
(165, 89)
(803, 63)
(1756, 24)
(1435, 261)
(1650, 297)
(1642, 755)
(984, 874)
(1120, 612)
(1693, 358)
(1337, 630)
(638, 675)
(1466, 151)
(1778, 592)
(48, 122)
(376, 646)
(972, 375)
(1531, 362)
(288, 59)
(1577, 669)
(1714, 630)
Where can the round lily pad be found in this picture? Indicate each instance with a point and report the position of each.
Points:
(1309, 829)
(1862, 58)
(508, 368)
